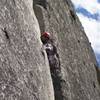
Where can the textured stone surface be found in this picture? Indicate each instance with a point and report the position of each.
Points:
(24, 73)
(24, 70)
(79, 78)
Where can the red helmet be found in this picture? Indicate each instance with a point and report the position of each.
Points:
(46, 34)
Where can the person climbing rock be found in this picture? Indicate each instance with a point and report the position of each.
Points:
(51, 51)
(54, 63)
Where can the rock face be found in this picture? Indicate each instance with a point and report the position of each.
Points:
(24, 73)
(24, 68)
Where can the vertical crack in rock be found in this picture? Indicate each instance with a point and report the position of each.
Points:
(55, 69)
(56, 78)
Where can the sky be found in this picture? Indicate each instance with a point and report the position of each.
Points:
(88, 12)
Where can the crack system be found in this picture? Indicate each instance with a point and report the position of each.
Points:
(55, 70)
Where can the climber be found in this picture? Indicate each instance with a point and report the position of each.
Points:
(51, 51)
(54, 63)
